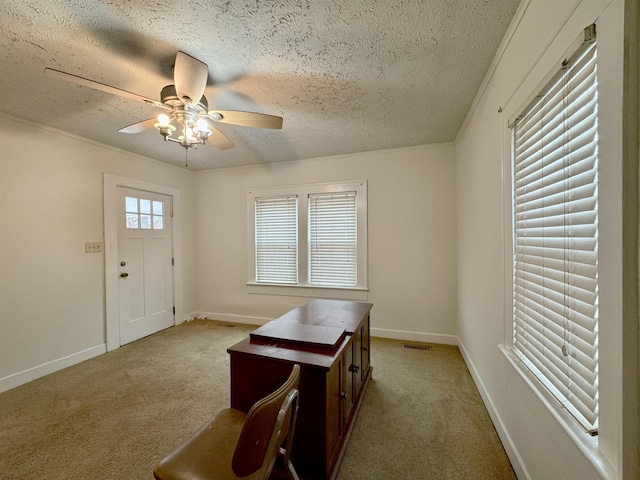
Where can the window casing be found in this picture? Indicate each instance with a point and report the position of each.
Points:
(555, 236)
(308, 237)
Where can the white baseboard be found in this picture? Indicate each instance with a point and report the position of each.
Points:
(376, 332)
(187, 317)
(20, 378)
(228, 317)
(414, 336)
(505, 438)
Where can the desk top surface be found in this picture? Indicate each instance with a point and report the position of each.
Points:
(313, 334)
(329, 313)
(305, 356)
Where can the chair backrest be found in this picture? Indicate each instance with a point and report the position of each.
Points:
(266, 427)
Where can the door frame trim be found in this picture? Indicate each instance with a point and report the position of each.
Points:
(110, 191)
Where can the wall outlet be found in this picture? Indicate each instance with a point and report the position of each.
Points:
(92, 247)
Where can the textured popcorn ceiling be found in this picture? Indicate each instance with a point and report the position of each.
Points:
(346, 75)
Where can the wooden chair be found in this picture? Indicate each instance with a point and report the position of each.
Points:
(234, 445)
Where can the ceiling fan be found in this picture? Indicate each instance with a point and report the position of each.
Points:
(184, 105)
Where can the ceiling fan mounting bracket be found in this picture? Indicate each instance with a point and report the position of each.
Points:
(169, 97)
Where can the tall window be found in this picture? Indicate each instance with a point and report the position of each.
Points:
(333, 246)
(277, 240)
(310, 236)
(555, 235)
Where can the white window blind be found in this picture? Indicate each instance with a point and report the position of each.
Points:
(333, 246)
(555, 227)
(324, 249)
(276, 236)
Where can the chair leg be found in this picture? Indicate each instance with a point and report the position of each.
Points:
(291, 471)
(285, 452)
(288, 465)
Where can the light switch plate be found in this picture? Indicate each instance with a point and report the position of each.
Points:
(92, 247)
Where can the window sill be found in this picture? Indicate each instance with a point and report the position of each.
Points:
(309, 291)
(587, 444)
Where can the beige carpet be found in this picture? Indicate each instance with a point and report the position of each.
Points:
(115, 416)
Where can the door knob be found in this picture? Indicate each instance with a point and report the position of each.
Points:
(124, 274)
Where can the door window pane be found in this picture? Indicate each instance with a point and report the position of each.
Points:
(145, 206)
(145, 221)
(144, 213)
(131, 204)
(132, 220)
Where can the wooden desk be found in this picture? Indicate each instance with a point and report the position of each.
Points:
(332, 380)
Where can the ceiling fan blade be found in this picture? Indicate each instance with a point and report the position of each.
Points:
(246, 119)
(85, 82)
(219, 139)
(190, 78)
(140, 126)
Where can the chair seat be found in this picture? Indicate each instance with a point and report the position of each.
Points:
(234, 443)
(207, 452)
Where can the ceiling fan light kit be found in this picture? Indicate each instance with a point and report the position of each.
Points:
(190, 80)
(164, 126)
(194, 128)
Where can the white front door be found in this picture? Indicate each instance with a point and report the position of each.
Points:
(145, 250)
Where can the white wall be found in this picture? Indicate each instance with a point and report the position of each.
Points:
(539, 447)
(436, 231)
(411, 206)
(52, 300)
(52, 293)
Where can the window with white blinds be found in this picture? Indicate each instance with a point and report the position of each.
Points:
(555, 236)
(309, 237)
(276, 236)
(333, 246)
